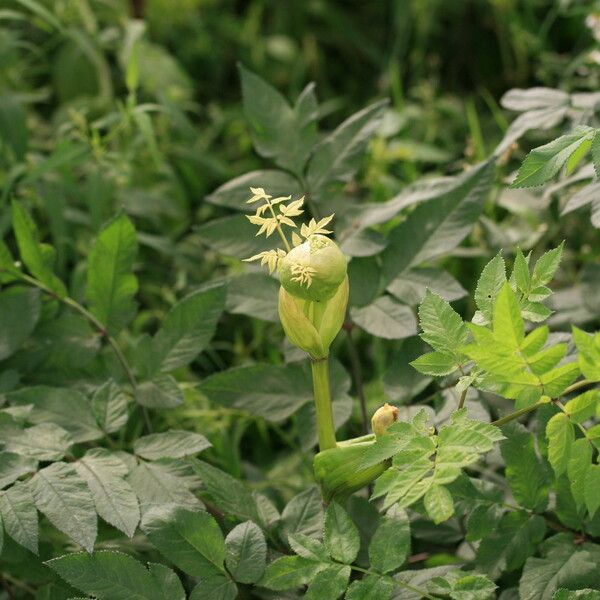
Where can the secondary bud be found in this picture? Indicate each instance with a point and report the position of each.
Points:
(314, 269)
(383, 418)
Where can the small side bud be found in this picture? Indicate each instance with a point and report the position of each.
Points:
(383, 418)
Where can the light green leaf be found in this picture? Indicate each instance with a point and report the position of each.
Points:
(63, 496)
(435, 363)
(520, 273)
(491, 281)
(340, 534)
(589, 353)
(31, 251)
(578, 466)
(592, 489)
(561, 436)
(583, 407)
(187, 328)
(170, 444)
(111, 284)
(410, 286)
(438, 503)
(191, 539)
(443, 328)
(596, 153)
(544, 162)
(507, 320)
(390, 544)
(246, 552)
(114, 498)
(546, 267)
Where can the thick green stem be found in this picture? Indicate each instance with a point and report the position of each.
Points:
(325, 427)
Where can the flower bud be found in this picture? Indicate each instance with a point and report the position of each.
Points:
(338, 472)
(312, 326)
(383, 418)
(298, 327)
(314, 269)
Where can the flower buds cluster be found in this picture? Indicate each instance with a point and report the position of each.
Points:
(314, 284)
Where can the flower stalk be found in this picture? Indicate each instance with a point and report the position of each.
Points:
(312, 306)
(325, 425)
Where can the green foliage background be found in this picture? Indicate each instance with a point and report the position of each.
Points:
(133, 338)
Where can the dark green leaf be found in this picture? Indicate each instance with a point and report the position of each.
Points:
(340, 534)
(337, 157)
(564, 565)
(19, 314)
(111, 284)
(386, 318)
(170, 444)
(65, 407)
(246, 552)
(390, 543)
(63, 496)
(187, 328)
(329, 583)
(438, 226)
(114, 498)
(191, 539)
(19, 516)
(160, 392)
(107, 575)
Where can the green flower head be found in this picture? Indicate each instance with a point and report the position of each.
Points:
(313, 270)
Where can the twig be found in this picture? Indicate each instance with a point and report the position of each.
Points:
(400, 584)
(100, 328)
(358, 379)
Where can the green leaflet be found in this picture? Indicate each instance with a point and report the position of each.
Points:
(544, 162)
(422, 460)
(111, 284)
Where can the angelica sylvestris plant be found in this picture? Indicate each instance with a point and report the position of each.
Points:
(313, 293)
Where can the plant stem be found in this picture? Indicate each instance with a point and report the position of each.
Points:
(358, 379)
(100, 328)
(279, 229)
(401, 584)
(518, 413)
(325, 427)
